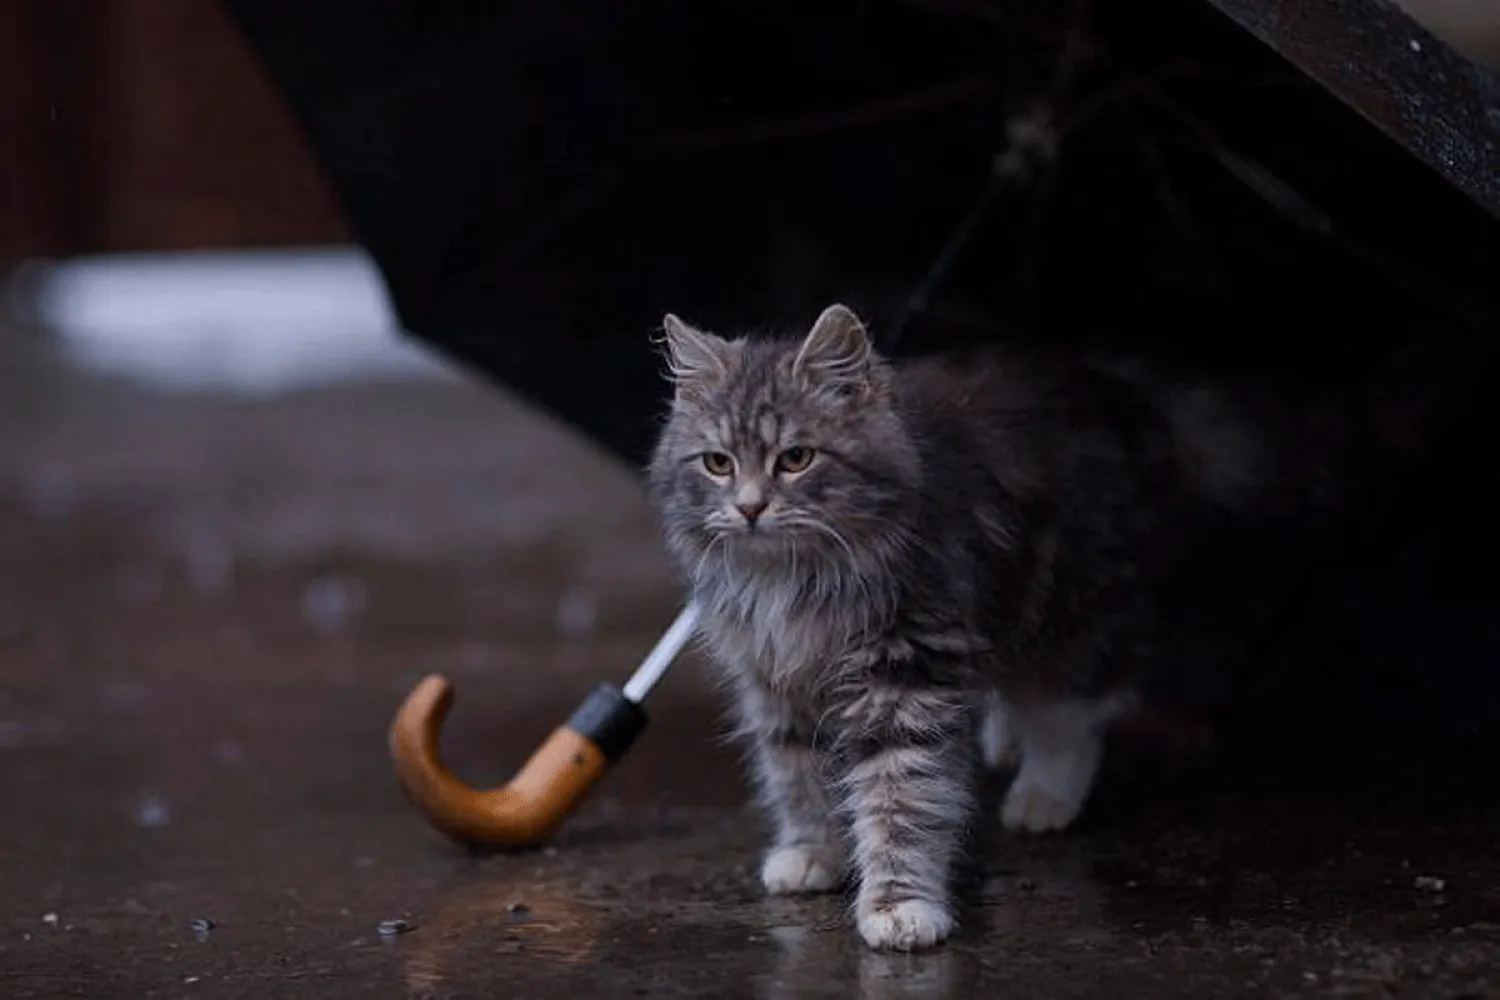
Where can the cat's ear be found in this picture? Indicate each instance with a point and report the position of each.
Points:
(696, 359)
(837, 352)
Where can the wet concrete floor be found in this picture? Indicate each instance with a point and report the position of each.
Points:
(210, 608)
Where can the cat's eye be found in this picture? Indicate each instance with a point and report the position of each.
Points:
(794, 459)
(717, 463)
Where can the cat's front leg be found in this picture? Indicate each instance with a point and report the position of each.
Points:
(807, 854)
(910, 787)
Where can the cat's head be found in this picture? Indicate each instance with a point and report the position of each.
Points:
(775, 446)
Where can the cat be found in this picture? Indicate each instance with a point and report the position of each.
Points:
(910, 572)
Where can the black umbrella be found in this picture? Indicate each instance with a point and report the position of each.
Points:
(529, 175)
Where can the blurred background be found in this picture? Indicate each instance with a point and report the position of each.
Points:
(183, 301)
(241, 513)
(240, 516)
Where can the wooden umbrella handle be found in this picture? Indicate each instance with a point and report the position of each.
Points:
(547, 788)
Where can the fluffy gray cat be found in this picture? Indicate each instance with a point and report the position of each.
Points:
(909, 571)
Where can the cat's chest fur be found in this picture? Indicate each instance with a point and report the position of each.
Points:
(769, 627)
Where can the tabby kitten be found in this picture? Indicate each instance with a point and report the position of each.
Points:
(892, 561)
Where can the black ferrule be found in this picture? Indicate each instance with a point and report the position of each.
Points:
(610, 720)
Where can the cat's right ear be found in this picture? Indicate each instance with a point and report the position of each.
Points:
(696, 359)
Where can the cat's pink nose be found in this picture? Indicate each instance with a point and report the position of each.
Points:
(751, 510)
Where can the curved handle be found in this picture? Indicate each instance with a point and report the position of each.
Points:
(548, 786)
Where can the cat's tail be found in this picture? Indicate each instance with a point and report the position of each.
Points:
(1291, 447)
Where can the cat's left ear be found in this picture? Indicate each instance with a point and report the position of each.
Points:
(837, 352)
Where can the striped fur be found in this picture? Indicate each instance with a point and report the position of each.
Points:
(961, 557)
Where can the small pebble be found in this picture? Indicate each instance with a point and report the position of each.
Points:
(1429, 883)
(50, 919)
(389, 930)
(153, 811)
(517, 909)
(202, 927)
(329, 602)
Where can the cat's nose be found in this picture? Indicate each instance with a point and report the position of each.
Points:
(751, 510)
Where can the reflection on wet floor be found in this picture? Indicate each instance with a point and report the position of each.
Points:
(211, 604)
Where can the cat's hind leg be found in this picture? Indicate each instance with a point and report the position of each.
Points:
(1061, 744)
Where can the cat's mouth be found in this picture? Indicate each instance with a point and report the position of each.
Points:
(768, 533)
(757, 534)
(758, 539)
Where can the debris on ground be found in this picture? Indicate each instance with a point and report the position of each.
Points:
(389, 930)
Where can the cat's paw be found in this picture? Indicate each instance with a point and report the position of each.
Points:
(1030, 808)
(801, 868)
(908, 925)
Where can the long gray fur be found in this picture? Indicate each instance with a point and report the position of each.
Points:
(965, 553)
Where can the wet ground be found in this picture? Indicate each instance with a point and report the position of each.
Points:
(211, 606)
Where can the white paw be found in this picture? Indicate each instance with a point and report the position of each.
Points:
(910, 925)
(800, 869)
(1033, 809)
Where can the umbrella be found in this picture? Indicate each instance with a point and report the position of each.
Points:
(530, 174)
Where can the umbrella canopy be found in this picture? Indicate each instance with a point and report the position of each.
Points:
(540, 182)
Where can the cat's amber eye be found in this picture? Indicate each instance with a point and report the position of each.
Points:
(794, 459)
(717, 463)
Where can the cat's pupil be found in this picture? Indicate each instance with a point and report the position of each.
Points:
(794, 459)
(718, 463)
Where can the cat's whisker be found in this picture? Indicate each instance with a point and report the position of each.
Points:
(713, 541)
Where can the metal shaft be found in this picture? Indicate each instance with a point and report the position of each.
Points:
(661, 656)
